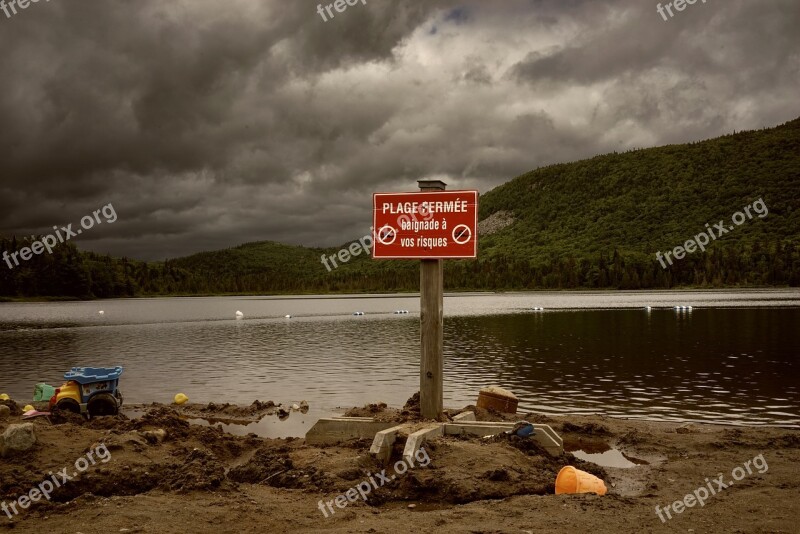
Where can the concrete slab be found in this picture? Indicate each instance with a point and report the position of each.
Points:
(464, 416)
(543, 434)
(330, 431)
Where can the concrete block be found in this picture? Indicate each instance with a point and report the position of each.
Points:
(543, 434)
(415, 441)
(330, 431)
(382, 445)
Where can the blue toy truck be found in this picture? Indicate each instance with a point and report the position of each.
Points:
(90, 390)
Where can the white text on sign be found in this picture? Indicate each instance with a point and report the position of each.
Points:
(456, 206)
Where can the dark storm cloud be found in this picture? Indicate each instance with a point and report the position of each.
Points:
(210, 124)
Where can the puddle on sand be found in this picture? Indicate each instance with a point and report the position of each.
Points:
(610, 458)
(294, 426)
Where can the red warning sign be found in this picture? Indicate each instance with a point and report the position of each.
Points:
(425, 225)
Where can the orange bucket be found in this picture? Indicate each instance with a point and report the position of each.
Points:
(571, 480)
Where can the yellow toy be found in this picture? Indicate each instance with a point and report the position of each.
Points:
(90, 390)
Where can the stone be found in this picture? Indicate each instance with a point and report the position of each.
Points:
(5, 412)
(154, 436)
(17, 439)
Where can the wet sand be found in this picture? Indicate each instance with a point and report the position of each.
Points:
(198, 479)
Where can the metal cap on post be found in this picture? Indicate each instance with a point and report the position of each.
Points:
(431, 185)
(431, 298)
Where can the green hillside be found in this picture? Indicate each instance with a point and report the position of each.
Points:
(653, 199)
(595, 223)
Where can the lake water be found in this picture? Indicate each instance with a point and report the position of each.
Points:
(734, 358)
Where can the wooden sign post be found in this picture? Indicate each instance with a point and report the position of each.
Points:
(431, 328)
(428, 225)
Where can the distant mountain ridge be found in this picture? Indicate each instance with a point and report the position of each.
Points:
(595, 223)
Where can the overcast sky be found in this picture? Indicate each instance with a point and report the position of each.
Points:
(208, 124)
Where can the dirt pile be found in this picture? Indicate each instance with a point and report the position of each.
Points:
(275, 468)
(163, 466)
(225, 412)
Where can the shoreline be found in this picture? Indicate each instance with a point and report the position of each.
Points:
(165, 473)
(448, 293)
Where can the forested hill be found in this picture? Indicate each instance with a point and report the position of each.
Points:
(595, 223)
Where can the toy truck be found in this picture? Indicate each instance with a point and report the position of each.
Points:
(90, 390)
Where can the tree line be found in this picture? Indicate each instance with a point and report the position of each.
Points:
(70, 273)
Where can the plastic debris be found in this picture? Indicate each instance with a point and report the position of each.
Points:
(523, 429)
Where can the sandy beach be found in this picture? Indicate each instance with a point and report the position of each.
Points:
(163, 474)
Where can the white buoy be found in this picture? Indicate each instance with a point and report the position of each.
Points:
(288, 316)
(649, 308)
(101, 312)
(239, 314)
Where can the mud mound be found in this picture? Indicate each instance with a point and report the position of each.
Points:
(634, 437)
(369, 410)
(103, 482)
(200, 470)
(591, 429)
(226, 410)
(190, 470)
(107, 422)
(15, 409)
(733, 437)
(61, 417)
(490, 414)
(166, 418)
(528, 446)
(273, 467)
(787, 441)
(412, 406)
(467, 470)
(381, 412)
